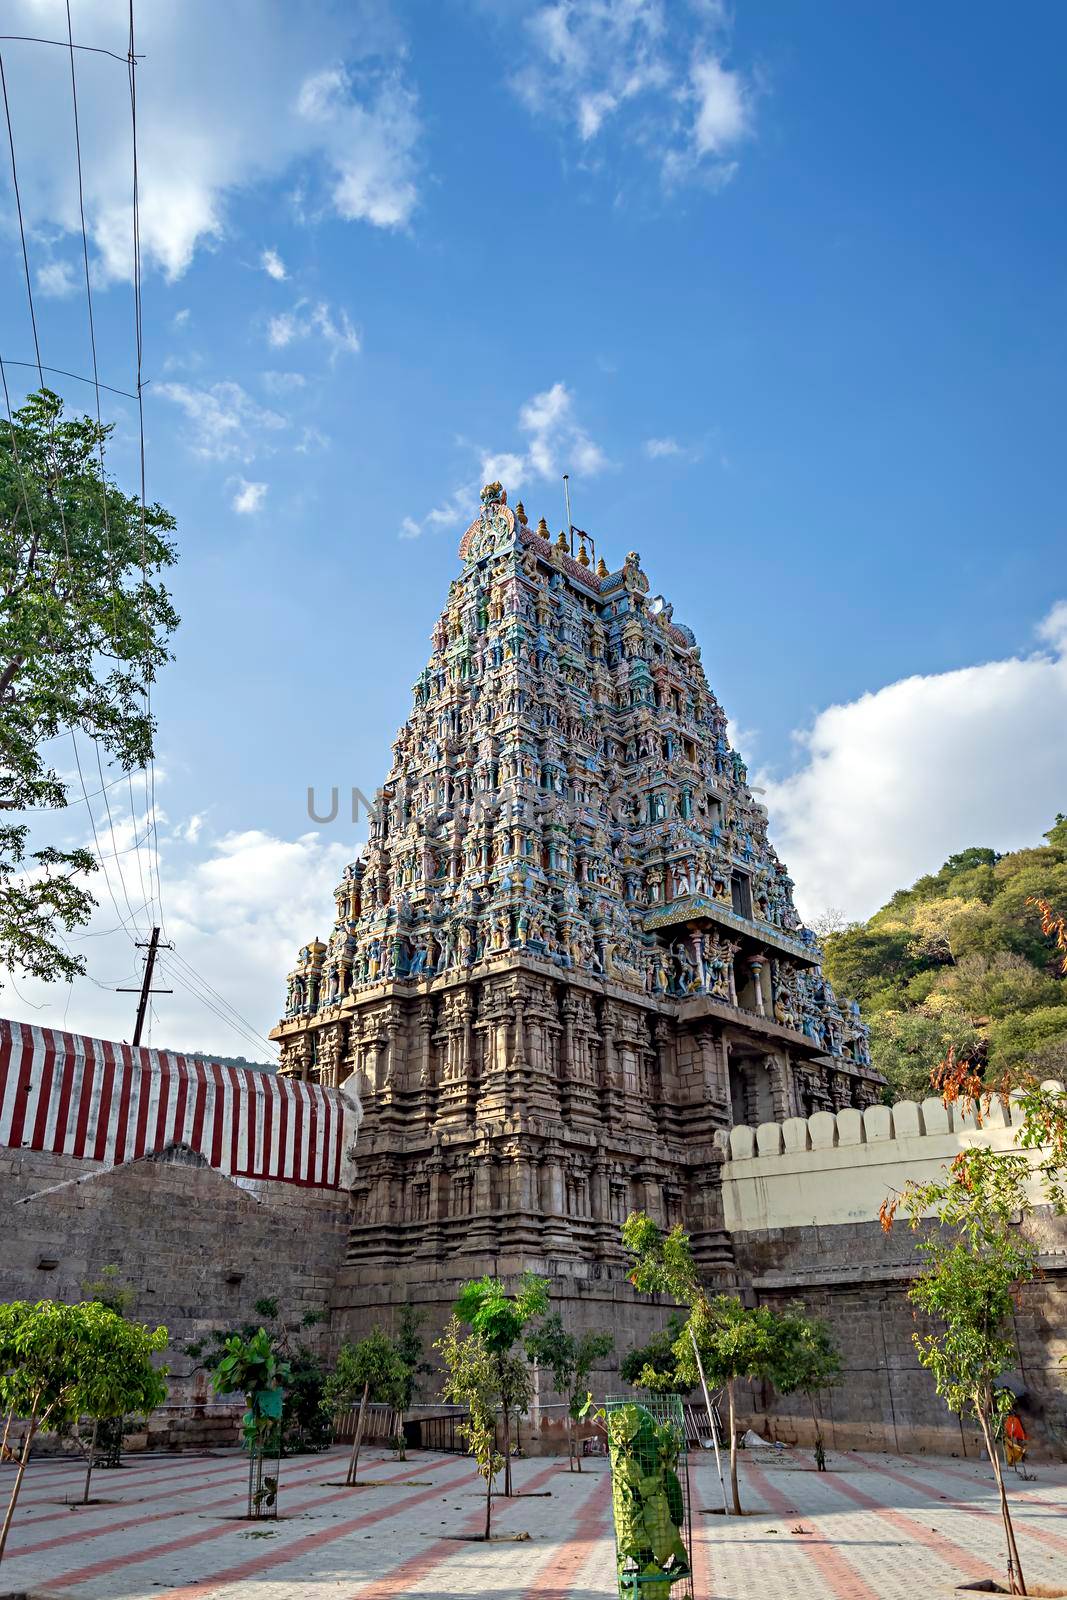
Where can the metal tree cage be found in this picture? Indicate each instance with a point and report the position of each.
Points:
(650, 1497)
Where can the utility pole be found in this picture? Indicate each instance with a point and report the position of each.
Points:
(146, 982)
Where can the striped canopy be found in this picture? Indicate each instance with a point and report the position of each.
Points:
(112, 1103)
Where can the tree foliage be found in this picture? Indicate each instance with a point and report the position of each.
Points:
(975, 1262)
(805, 1360)
(499, 1320)
(85, 625)
(371, 1364)
(654, 1365)
(61, 1362)
(570, 1358)
(305, 1425)
(964, 958)
(251, 1366)
(473, 1380)
(721, 1338)
(370, 1370)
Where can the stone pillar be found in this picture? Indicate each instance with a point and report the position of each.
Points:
(755, 967)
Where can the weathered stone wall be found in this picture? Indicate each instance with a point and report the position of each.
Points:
(801, 1201)
(197, 1249)
(856, 1277)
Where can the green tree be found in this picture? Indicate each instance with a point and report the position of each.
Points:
(500, 1320)
(251, 1367)
(963, 959)
(976, 1261)
(908, 1045)
(105, 1439)
(735, 1342)
(663, 1264)
(408, 1344)
(804, 1360)
(656, 1361)
(570, 1359)
(472, 1380)
(60, 1362)
(84, 628)
(370, 1369)
(305, 1424)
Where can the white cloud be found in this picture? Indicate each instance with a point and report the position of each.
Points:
(311, 440)
(371, 147)
(204, 135)
(895, 782)
(238, 908)
(180, 318)
(191, 830)
(225, 423)
(283, 382)
(556, 442)
(336, 329)
(652, 72)
(722, 106)
(669, 448)
(1052, 630)
(273, 265)
(249, 497)
(56, 279)
(341, 335)
(281, 330)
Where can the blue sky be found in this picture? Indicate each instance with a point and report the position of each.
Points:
(782, 288)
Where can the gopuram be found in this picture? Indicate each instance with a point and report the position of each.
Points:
(568, 956)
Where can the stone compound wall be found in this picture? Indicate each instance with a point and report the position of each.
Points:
(801, 1200)
(838, 1167)
(197, 1248)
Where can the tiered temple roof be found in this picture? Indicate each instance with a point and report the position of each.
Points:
(565, 787)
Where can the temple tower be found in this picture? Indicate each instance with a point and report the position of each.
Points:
(568, 958)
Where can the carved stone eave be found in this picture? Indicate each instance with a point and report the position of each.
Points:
(697, 908)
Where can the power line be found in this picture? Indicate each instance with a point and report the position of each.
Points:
(33, 811)
(150, 775)
(100, 441)
(61, 44)
(22, 228)
(229, 1018)
(181, 969)
(99, 852)
(230, 1007)
(63, 373)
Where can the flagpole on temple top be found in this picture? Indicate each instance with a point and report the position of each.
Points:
(567, 504)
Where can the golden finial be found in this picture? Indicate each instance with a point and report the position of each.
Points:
(543, 530)
(583, 554)
(561, 542)
(520, 512)
(602, 568)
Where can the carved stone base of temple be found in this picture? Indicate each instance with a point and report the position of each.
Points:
(514, 1115)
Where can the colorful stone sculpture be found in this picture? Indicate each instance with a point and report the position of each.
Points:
(568, 952)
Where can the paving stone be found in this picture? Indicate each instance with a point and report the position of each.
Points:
(875, 1527)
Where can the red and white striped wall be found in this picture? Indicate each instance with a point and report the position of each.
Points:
(111, 1103)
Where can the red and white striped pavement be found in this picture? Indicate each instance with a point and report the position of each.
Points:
(873, 1528)
(110, 1103)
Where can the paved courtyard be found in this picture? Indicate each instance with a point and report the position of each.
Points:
(876, 1528)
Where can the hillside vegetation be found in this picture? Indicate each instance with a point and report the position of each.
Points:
(960, 959)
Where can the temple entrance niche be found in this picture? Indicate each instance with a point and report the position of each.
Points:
(751, 1090)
